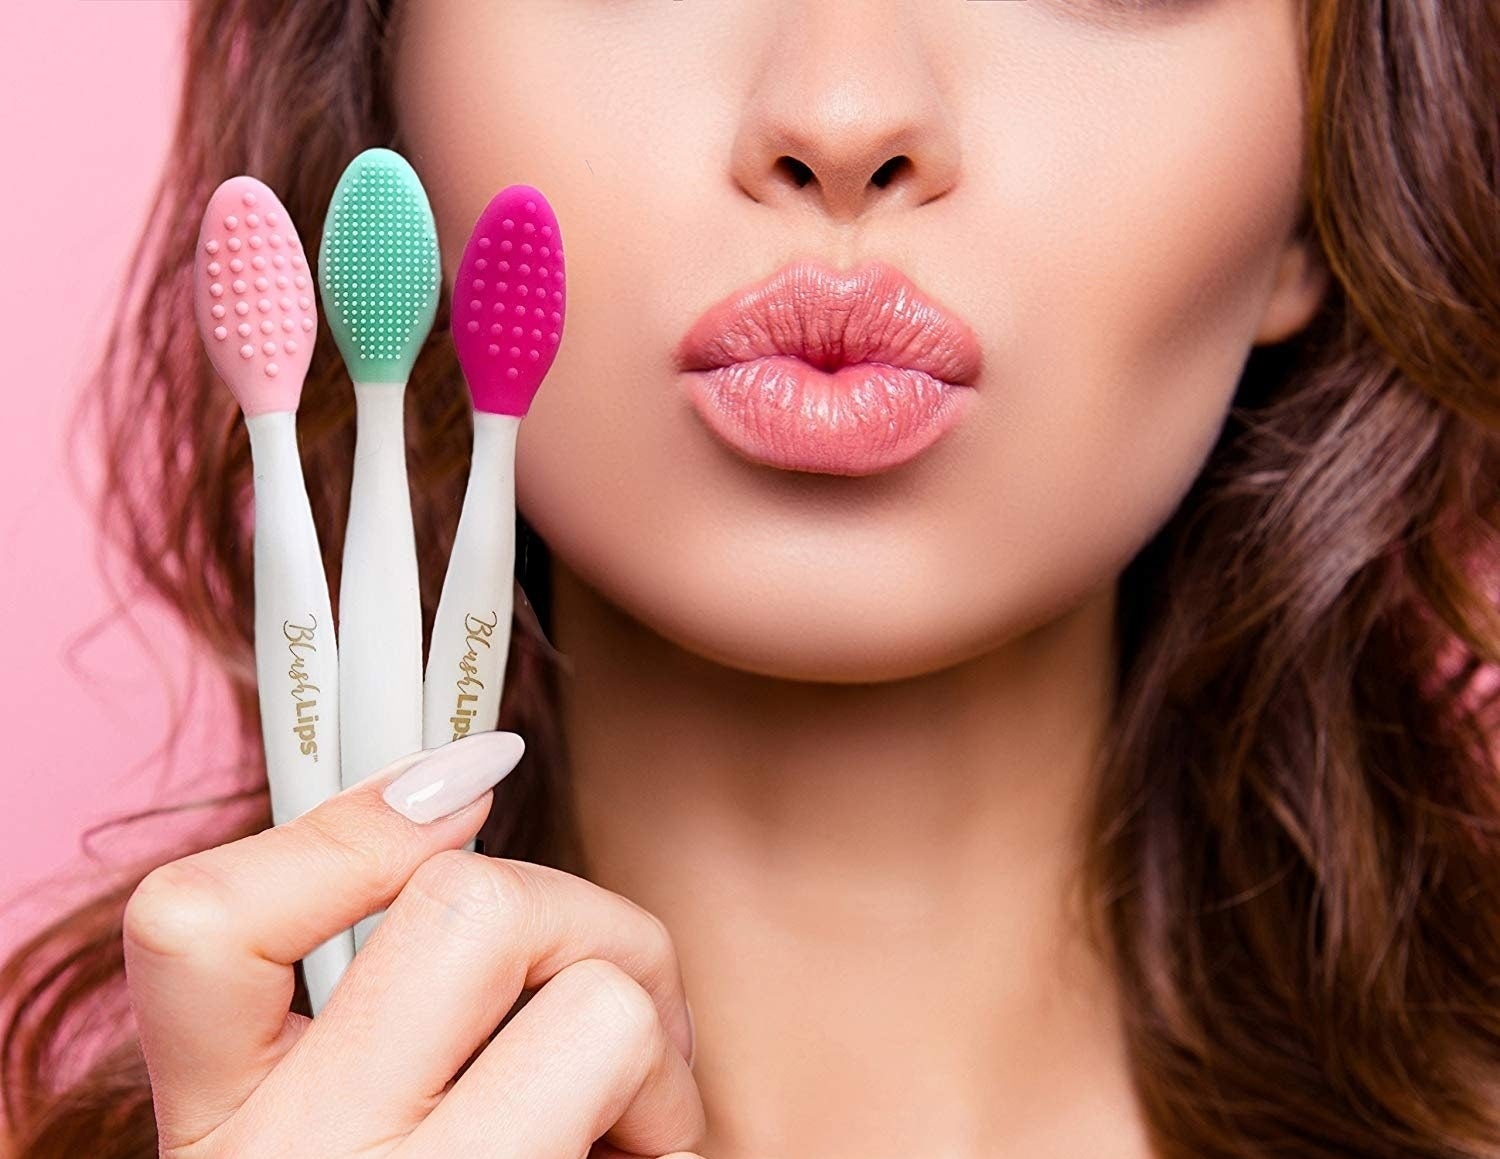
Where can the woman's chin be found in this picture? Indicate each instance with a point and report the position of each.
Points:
(787, 631)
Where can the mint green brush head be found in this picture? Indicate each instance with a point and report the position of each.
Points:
(379, 271)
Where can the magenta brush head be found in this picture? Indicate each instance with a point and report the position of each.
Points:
(508, 301)
(253, 296)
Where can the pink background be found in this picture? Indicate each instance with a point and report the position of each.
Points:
(89, 90)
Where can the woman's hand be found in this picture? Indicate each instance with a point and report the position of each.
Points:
(600, 1050)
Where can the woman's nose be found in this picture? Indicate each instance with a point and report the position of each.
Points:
(846, 112)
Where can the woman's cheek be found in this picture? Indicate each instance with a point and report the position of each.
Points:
(1139, 204)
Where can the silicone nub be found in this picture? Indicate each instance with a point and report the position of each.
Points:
(508, 301)
(378, 267)
(253, 296)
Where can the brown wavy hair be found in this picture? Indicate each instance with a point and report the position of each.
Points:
(1295, 864)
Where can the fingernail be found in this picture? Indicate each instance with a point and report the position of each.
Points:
(455, 775)
(692, 1032)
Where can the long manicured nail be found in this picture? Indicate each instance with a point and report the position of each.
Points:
(455, 775)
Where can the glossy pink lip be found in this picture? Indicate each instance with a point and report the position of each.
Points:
(843, 373)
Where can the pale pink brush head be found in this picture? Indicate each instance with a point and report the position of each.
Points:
(508, 301)
(253, 296)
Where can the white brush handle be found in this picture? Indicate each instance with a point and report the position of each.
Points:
(471, 634)
(380, 610)
(296, 657)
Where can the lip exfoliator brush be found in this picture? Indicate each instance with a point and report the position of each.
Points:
(507, 322)
(253, 300)
(380, 277)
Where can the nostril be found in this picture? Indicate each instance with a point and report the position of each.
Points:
(887, 172)
(799, 173)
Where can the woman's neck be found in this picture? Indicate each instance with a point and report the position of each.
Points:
(868, 885)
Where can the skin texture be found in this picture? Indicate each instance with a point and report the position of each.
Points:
(781, 680)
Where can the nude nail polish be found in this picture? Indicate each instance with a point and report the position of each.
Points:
(454, 775)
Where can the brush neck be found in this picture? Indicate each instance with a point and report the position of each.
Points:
(378, 405)
(494, 439)
(273, 445)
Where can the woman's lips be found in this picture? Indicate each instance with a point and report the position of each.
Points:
(860, 419)
(836, 373)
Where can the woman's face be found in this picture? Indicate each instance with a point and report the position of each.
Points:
(1103, 190)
